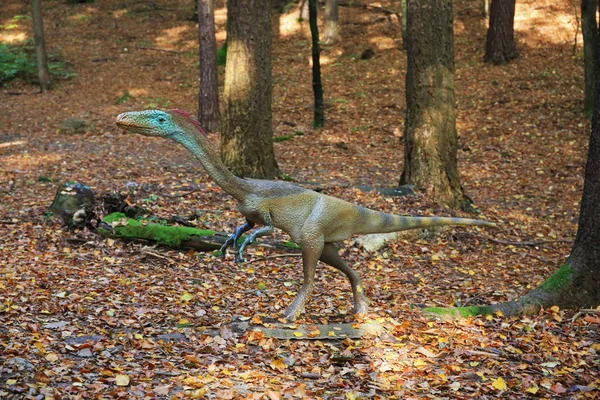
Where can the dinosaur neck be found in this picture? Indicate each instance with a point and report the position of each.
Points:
(200, 147)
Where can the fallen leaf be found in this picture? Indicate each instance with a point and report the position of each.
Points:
(187, 297)
(499, 384)
(122, 380)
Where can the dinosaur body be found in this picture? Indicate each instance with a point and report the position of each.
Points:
(313, 220)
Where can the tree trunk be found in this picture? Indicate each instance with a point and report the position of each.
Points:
(430, 142)
(40, 45)
(303, 14)
(500, 44)
(403, 23)
(331, 33)
(247, 141)
(208, 99)
(589, 28)
(577, 282)
(319, 114)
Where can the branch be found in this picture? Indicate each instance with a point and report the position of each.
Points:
(531, 243)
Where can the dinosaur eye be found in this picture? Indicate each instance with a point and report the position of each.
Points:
(161, 119)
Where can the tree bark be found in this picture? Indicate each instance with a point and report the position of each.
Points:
(500, 44)
(577, 282)
(403, 23)
(430, 142)
(208, 99)
(331, 32)
(589, 28)
(40, 45)
(319, 114)
(247, 141)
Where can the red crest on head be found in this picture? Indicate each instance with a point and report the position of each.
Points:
(189, 117)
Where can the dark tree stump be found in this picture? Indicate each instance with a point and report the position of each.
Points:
(74, 204)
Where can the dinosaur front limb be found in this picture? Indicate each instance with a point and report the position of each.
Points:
(232, 240)
(331, 257)
(264, 231)
(311, 252)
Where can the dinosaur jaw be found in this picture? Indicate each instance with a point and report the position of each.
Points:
(133, 124)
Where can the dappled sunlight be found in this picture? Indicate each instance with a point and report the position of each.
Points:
(174, 38)
(324, 59)
(27, 162)
(221, 36)
(289, 25)
(239, 72)
(383, 42)
(9, 37)
(136, 92)
(459, 27)
(221, 16)
(119, 13)
(545, 22)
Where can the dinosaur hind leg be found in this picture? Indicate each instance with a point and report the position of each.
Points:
(331, 256)
(311, 251)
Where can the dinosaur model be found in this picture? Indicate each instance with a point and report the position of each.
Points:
(313, 220)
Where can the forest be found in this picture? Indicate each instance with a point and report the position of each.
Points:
(128, 295)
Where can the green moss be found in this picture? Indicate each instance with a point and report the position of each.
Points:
(171, 236)
(455, 312)
(558, 279)
(290, 244)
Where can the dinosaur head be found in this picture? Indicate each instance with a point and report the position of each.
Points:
(174, 124)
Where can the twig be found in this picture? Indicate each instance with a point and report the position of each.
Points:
(482, 353)
(174, 196)
(531, 243)
(159, 256)
(585, 311)
(156, 49)
(274, 256)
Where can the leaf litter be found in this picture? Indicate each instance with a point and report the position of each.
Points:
(83, 317)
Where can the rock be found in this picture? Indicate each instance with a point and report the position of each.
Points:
(74, 126)
(79, 340)
(172, 337)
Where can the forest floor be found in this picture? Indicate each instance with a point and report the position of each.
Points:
(86, 317)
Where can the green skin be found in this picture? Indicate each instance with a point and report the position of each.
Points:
(313, 220)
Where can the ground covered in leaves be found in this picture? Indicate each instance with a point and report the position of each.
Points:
(86, 317)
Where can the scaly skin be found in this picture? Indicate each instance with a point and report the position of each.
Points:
(313, 220)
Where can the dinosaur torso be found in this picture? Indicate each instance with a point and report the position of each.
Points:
(313, 220)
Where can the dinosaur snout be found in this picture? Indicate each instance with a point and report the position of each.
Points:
(122, 120)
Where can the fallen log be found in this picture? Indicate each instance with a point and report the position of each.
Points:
(117, 225)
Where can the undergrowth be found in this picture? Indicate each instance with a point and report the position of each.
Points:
(18, 61)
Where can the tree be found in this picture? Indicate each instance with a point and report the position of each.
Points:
(247, 140)
(500, 43)
(430, 142)
(331, 32)
(577, 282)
(319, 114)
(40, 45)
(589, 28)
(208, 99)
(403, 22)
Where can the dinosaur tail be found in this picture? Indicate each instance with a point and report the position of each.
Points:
(378, 222)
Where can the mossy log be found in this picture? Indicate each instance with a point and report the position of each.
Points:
(117, 225)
